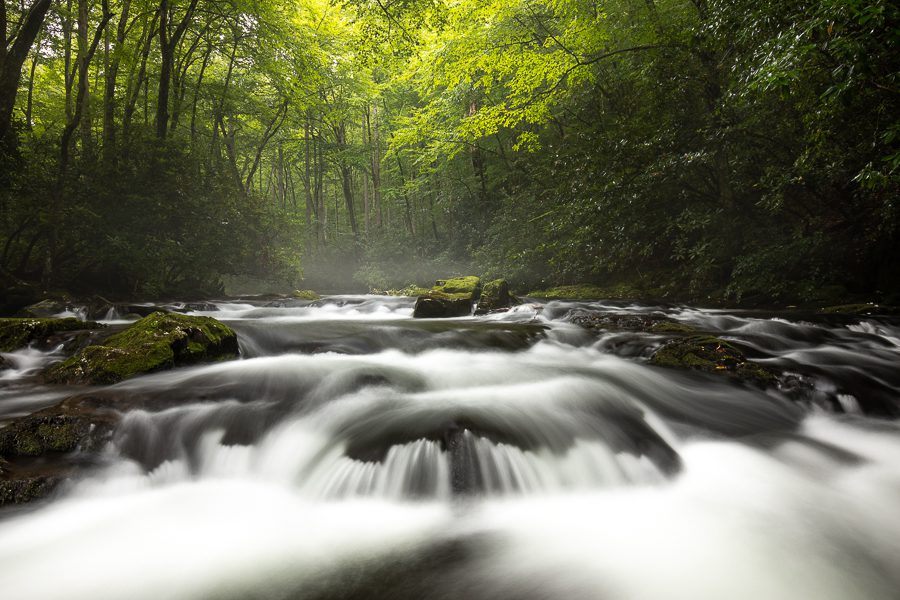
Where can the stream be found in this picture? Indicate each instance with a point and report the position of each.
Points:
(354, 452)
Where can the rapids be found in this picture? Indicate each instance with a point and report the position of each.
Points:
(354, 452)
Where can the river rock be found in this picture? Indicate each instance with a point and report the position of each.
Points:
(713, 355)
(156, 342)
(39, 451)
(454, 297)
(495, 296)
(17, 333)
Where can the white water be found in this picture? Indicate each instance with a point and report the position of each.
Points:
(550, 470)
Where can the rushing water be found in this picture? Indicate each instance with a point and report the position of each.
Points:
(354, 452)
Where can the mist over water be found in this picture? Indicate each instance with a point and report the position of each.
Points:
(355, 452)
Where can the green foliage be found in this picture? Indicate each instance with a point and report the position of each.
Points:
(693, 150)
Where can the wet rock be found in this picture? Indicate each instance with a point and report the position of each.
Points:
(24, 489)
(40, 450)
(45, 308)
(17, 333)
(159, 341)
(193, 307)
(449, 298)
(604, 321)
(495, 296)
(713, 355)
(39, 434)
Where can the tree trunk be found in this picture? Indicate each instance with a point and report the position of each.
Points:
(12, 56)
(168, 41)
(109, 96)
(135, 81)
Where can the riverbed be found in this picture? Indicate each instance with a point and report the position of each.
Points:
(355, 452)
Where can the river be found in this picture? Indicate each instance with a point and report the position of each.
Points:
(354, 452)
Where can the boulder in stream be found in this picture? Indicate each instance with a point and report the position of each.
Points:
(41, 450)
(495, 296)
(713, 355)
(156, 342)
(17, 333)
(449, 298)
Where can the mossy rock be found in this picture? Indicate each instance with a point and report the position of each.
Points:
(24, 490)
(469, 285)
(495, 296)
(37, 435)
(437, 305)
(587, 292)
(610, 321)
(713, 355)
(17, 333)
(306, 295)
(159, 341)
(449, 298)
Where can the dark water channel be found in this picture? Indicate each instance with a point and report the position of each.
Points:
(354, 452)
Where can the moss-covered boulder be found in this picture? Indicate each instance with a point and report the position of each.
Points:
(713, 355)
(37, 435)
(495, 296)
(40, 450)
(584, 291)
(17, 333)
(305, 295)
(454, 297)
(159, 341)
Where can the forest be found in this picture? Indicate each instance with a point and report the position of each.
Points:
(745, 151)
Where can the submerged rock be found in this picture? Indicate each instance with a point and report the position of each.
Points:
(159, 341)
(713, 355)
(17, 333)
(449, 298)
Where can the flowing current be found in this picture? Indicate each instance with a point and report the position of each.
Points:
(355, 452)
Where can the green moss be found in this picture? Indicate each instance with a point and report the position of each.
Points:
(158, 341)
(18, 333)
(671, 327)
(586, 292)
(495, 296)
(306, 295)
(35, 436)
(470, 285)
(713, 355)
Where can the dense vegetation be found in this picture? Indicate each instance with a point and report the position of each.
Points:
(740, 150)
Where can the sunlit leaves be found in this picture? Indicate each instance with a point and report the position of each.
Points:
(500, 65)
